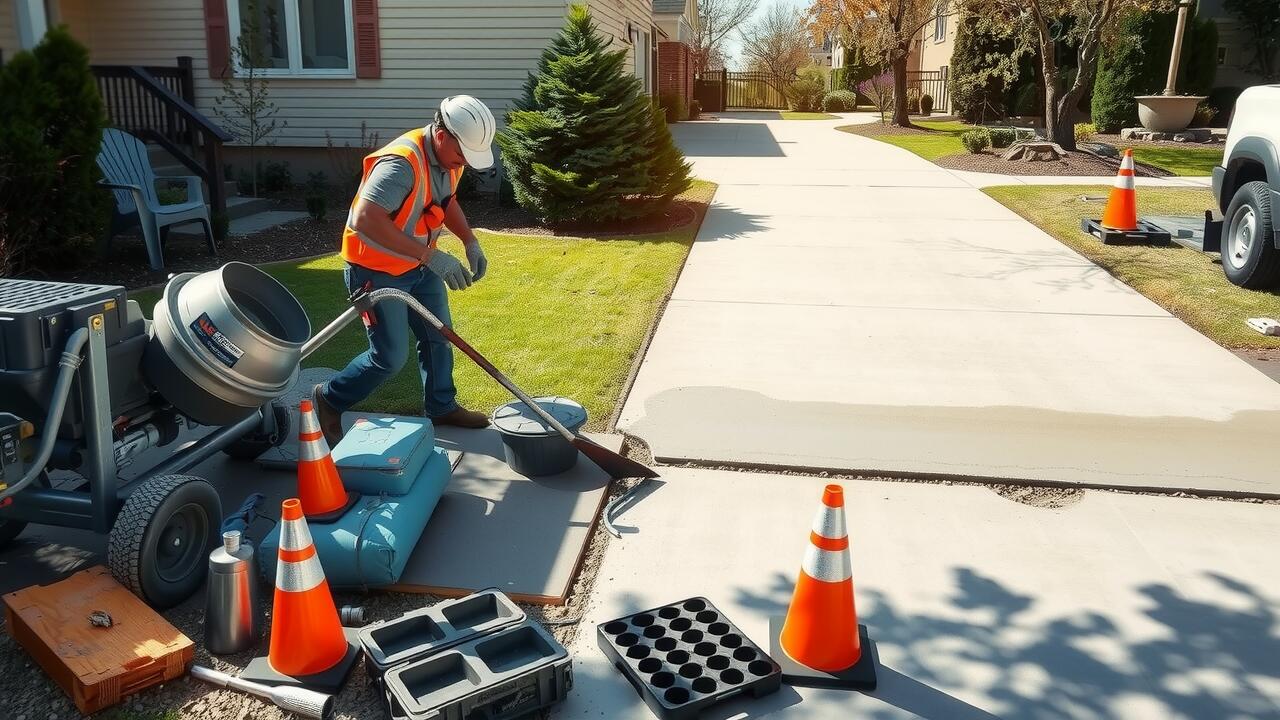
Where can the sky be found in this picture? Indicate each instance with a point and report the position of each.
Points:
(732, 43)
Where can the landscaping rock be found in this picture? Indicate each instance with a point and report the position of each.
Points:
(1099, 148)
(1197, 135)
(1034, 151)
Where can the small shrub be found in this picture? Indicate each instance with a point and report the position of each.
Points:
(317, 206)
(275, 178)
(976, 140)
(879, 90)
(1085, 131)
(695, 109)
(347, 160)
(805, 92)
(221, 223)
(926, 104)
(673, 105)
(913, 100)
(840, 101)
(1223, 98)
(317, 198)
(1002, 137)
(1205, 113)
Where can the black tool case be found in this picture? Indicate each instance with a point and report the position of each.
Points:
(684, 657)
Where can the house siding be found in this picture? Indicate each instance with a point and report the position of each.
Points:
(611, 18)
(430, 50)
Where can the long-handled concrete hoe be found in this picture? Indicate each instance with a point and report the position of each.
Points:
(611, 462)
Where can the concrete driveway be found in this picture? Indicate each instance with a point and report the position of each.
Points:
(849, 305)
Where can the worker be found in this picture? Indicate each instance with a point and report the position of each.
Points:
(406, 196)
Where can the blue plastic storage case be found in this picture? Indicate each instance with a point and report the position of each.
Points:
(386, 529)
(383, 454)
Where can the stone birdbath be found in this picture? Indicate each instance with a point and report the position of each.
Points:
(1169, 111)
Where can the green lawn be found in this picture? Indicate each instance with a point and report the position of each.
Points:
(560, 316)
(1188, 284)
(944, 141)
(794, 115)
(1189, 161)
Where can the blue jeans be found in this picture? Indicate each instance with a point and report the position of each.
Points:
(389, 342)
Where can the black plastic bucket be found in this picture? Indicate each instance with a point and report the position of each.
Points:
(532, 447)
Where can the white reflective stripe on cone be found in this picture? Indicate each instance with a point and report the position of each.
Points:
(829, 523)
(295, 536)
(827, 565)
(299, 576)
(312, 450)
(1124, 182)
(310, 423)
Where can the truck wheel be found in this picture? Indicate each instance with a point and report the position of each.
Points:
(1249, 255)
(252, 445)
(159, 546)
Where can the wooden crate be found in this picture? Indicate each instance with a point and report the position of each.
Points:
(96, 666)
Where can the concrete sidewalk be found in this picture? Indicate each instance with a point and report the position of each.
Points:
(1118, 606)
(849, 305)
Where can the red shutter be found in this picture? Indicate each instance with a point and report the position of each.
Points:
(368, 50)
(217, 39)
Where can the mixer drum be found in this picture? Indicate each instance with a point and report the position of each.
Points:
(224, 343)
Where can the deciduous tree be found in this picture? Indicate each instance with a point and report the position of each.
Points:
(1260, 21)
(884, 29)
(777, 42)
(716, 20)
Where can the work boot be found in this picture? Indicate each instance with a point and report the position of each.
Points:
(462, 417)
(330, 418)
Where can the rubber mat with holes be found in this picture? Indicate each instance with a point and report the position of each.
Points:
(686, 656)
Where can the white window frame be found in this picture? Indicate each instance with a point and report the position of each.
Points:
(640, 57)
(293, 36)
(940, 22)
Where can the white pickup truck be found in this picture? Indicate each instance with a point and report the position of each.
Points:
(1247, 186)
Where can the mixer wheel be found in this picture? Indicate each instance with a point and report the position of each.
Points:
(162, 537)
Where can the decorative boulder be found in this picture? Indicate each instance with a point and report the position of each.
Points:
(1100, 149)
(1034, 151)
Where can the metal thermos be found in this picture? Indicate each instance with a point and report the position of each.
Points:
(232, 620)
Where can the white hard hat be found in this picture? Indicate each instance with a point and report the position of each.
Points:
(473, 125)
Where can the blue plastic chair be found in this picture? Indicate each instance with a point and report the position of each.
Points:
(127, 168)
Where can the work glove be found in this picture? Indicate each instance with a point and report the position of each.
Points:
(476, 259)
(449, 270)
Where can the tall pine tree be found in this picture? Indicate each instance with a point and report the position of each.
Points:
(585, 143)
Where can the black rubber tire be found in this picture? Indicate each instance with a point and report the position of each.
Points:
(160, 544)
(1261, 269)
(11, 529)
(251, 446)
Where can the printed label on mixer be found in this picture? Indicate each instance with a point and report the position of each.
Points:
(215, 342)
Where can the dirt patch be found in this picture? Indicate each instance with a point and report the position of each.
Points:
(1075, 164)
(1040, 497)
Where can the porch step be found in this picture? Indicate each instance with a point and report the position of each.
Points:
(245, 225)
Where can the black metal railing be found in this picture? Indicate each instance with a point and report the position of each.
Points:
(932, 83)
(157, 104)
(755, 90)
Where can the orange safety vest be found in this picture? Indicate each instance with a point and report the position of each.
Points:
(419, 217)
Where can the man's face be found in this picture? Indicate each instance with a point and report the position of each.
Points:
(448, 152)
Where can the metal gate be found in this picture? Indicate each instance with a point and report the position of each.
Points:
(708, 90)
(929, 82)
(755, 90)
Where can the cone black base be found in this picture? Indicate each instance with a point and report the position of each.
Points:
(330, 681)
(862, 676)
(1145, 234)
(337, 514)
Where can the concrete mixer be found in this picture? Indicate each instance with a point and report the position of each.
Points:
(87, 385)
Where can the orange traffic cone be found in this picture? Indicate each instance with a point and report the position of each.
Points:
(1121, 212)
(820, 642)
(308, 644)
(319, 485)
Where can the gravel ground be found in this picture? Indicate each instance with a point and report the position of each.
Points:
(1120, 142)
(1076, 163)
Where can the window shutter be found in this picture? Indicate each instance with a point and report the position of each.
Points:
(368, 49)
(216, 37)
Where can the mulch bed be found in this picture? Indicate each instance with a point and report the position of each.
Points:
(128, 265)
(1075, 164)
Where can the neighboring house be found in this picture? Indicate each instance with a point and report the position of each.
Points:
(822, 55)
(677, 22)
(336, 64)
(933, 53)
